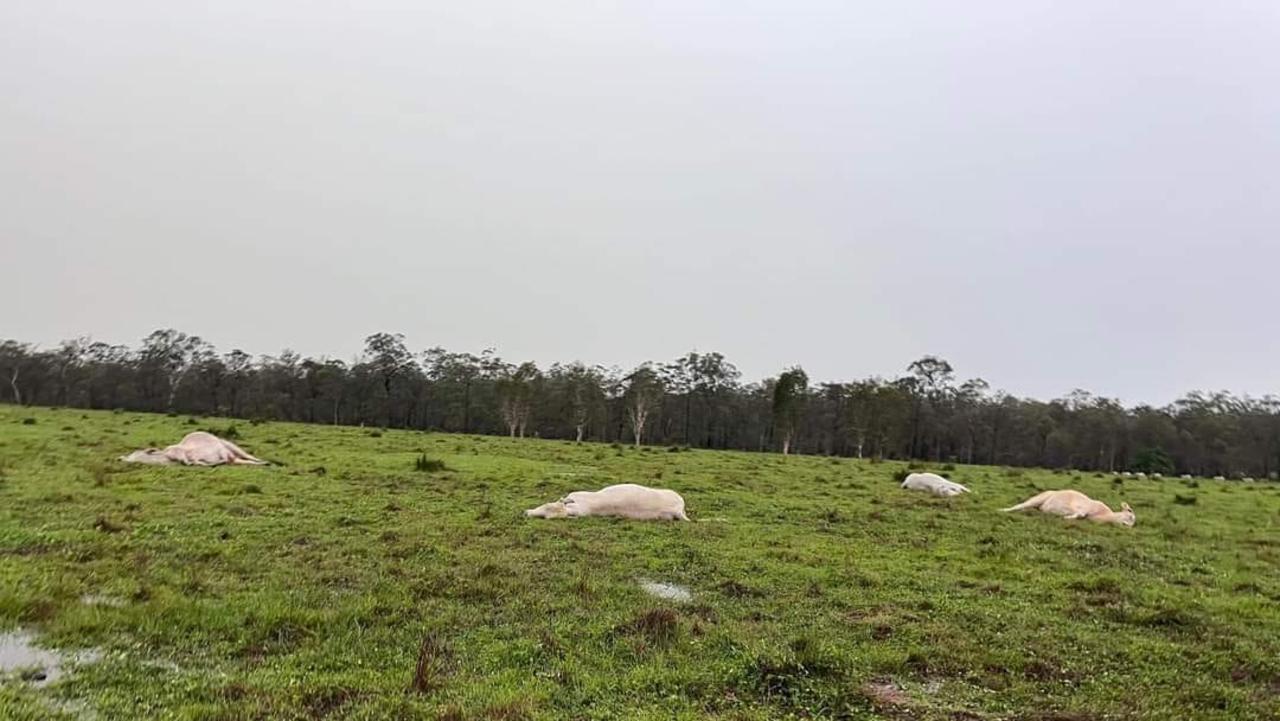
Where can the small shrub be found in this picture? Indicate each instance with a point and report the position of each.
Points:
(949, 467)
(375, 434)
(191, 421)
(117, 411)
(915, 466)
(250, 488)
(901, 474)
(171, 414)
(28, 421)
(429, 465)
(1182, 500)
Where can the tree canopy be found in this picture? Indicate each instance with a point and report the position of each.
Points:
(697, 400)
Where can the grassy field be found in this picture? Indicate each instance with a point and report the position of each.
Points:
(345, 584)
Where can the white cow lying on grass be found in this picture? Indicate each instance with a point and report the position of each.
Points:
(625, 500)
(933, 483)
(196, 449)
(1074, 504)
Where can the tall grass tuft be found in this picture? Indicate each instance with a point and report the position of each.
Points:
(429, 465)
(434, 660)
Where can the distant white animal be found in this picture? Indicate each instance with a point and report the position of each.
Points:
(1186, 476)
(1247, 479)
(933, 483)
(1127, 474)
(196, 449)
(1219, 478)
(1074, 504)
(1140, 474)
(625, 500)
(1157, 475)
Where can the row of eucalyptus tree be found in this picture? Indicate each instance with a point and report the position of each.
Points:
(699, 399)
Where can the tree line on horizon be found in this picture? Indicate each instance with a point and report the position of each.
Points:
(698, 400)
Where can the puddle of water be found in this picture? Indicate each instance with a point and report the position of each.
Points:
(98, 599)
(667, 591)
(19, 655)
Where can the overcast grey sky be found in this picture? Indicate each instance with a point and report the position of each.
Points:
(1048, 194)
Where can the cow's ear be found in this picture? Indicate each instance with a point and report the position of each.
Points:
(1125, 507)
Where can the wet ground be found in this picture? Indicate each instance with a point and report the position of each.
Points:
(667, 591)
(21, 657)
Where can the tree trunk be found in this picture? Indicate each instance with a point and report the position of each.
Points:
(13, 383)
(688, 411)
(466, 408)
(580, 429)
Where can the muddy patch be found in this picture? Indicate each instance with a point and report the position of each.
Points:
(666, 591)
(885, 693)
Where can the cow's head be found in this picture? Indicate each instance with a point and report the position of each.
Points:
(555, 509)
(1126, 516)
(153, 456)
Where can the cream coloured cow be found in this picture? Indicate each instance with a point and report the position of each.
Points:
(625, 500)
(1074, 504)
(933, 483)
(196, 449)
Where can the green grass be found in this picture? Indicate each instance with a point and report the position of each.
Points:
(821, 590)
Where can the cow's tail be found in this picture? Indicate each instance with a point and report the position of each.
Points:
(1032, 502)
(681, 516)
